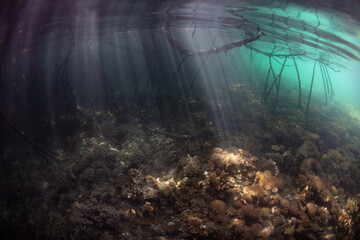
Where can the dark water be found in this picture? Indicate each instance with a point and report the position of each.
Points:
(179, 119)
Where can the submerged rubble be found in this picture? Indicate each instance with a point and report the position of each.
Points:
(272, 178)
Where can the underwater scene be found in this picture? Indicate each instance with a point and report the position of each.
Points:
(180, 119)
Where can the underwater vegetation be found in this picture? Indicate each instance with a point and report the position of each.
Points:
(179, 120)
(137, 181)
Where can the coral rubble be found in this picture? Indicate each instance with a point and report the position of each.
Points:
(274, 177)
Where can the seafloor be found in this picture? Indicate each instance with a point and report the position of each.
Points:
(224, 169)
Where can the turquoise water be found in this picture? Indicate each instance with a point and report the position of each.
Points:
(333, 38)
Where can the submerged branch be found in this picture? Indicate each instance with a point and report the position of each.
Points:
(276, 55)
(311, 87)
(326, 85)
(185, 52)
(164, 133)
(197, 73)
(299, 81)
(40, 149)
(204, 52)
(278, 84)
